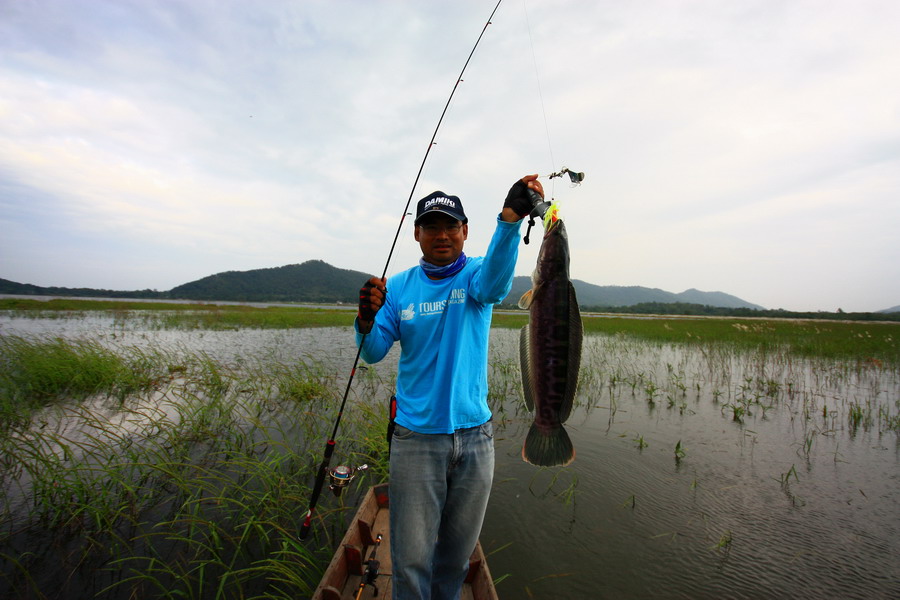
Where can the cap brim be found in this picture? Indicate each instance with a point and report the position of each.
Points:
(450, 214)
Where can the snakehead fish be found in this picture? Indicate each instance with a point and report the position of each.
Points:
(550, 349)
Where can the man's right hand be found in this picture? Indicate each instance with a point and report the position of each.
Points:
(371, 299)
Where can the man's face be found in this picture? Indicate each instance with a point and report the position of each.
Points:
(441, 238)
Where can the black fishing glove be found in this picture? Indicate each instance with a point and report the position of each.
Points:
(366, 311)
(371, 297)
(522, 199)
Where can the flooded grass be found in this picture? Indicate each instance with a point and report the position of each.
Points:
(700, 463)
(152, 453)
(163, 315)
(39, 372)
(864, 342)
(188, 481)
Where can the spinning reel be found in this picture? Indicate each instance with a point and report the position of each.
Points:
(342, 475)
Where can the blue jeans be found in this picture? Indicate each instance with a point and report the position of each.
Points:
(439, 488)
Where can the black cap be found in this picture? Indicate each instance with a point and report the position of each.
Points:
(441, 202)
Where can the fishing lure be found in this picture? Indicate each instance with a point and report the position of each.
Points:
(552, 215)
(549, 211)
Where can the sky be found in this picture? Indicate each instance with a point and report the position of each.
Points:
(750, 147)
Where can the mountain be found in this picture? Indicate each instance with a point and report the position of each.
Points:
(27, 289)
(613, 295)
(722, 299)
(317, 281)
(312, 281)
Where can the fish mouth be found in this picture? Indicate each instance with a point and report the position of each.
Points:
(553, 227)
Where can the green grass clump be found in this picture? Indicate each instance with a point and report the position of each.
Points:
(35, 372)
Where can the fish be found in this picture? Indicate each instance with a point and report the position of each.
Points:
(550, 349)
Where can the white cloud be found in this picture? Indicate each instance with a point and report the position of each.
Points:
(750, 147)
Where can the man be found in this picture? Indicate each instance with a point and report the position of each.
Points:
(442, 451)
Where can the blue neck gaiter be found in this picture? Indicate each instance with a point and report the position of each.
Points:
(445, 271)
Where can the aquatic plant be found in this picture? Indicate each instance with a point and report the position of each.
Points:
(857, 415)
(191, 489)
(37, 372)
(680, 452)
(724, 543)
(193, 484)
(868, 344)
(786, 477)
(651, 391)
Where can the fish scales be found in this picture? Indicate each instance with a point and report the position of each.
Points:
(550, 351)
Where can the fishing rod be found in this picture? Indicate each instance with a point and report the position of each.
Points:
(370, 575)
(342, 475)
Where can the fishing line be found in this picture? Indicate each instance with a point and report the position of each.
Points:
(433, 136)
(537, 77)
(575, 178)
(342, 478)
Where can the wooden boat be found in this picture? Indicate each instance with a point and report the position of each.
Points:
(345, 572)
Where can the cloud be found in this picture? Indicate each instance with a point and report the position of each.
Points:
(750, 147)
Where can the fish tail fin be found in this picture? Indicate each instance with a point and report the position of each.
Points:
(548, 448)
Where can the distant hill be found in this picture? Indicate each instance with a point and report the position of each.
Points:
(317, 281)
(612, 295)
(312, 281)
(27, 289)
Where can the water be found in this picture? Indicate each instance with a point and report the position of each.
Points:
(334, 351)
(724, 521)
(786, 500)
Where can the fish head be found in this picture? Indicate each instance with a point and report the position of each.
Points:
(553, 257)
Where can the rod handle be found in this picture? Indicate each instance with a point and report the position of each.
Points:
(317, 489)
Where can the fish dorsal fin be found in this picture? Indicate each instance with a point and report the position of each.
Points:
(576, 335)
(526, 299)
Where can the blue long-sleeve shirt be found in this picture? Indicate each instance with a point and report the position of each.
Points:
(443, 327)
